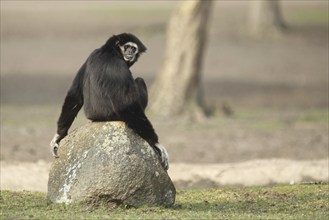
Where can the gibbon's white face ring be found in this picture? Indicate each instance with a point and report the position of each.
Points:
(129, 51)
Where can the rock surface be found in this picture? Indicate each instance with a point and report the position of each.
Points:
(106, 162)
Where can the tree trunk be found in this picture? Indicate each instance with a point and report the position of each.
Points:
(265, 17)
(177, 89)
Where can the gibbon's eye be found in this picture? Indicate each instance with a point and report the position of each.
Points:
(133, 49)
(126, 47)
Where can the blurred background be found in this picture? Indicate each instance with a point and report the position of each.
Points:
(268, 93)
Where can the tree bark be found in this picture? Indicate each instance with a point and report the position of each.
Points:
(265, 17)
(177, 89)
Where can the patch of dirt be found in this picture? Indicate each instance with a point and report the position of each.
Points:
(34, 176)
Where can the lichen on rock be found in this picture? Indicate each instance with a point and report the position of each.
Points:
(107, 162)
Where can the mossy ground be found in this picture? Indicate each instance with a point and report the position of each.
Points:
(306, 201)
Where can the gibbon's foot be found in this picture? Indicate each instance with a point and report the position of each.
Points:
(54, 145)
(164, 156)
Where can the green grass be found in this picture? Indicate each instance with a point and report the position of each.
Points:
(308, 201)
(309, 15)
(317, 116)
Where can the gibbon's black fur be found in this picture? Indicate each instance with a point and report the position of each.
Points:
(108, 91)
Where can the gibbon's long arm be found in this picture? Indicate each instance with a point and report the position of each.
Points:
(142, 92)
(137, 121)
(72, 105)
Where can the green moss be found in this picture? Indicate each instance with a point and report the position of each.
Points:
(309, 201)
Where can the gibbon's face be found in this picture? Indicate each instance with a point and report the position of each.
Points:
(129, 52)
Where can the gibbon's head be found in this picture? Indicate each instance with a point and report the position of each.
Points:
(130, 47)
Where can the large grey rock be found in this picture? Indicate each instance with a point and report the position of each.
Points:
(106, 162)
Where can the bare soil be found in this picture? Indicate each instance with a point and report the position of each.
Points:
(276, 87)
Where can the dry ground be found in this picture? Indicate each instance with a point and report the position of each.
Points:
(276, 86)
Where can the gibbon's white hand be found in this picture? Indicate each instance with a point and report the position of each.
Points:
(164, 156)
(54, 145)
